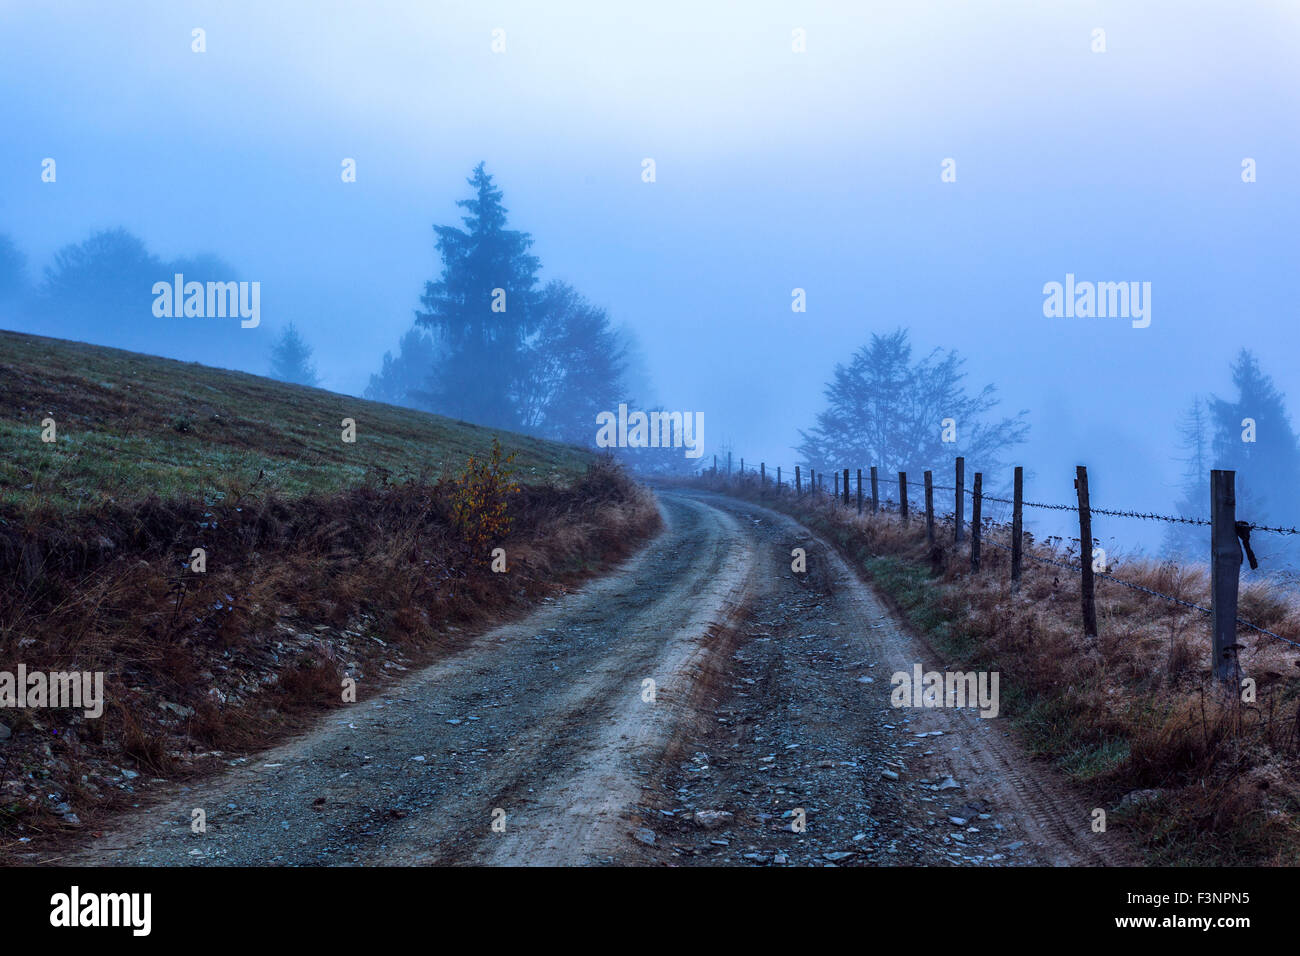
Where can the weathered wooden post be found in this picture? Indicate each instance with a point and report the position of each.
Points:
(859, 491)
(778, 481)
(961, 499)
(875, 491)
(812, 481)
(1017, 502)
(837, 484)
(715, 466)
(975, 523)
(846, 487)
(1087, 586)
(929, 508)
(902, 495)
(1225, 570)
(762, 477)
(742, 468)
(798, 483)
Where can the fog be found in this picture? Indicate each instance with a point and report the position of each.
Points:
(775, 170)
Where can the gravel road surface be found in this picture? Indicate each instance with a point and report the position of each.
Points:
(766, 738)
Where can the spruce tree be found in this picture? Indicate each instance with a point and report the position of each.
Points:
(1267, 467)
(483, 306)
(291, 359)
(1194, 432)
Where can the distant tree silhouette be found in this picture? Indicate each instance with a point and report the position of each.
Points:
(13, 271)
(574, 368)
(884, 409)
(291, 359)
(636, 368)
(1213, 434)
(1268, 468)
(108, 275)
(407, 378)
(202, 267)
(1194, 433)
(101, 291)
(485, 332)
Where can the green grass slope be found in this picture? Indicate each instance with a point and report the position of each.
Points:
(129, 425)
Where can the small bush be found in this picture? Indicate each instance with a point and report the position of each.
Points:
(479, 498)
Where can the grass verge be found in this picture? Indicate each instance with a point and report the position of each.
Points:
(1133, 717)
(297, 596)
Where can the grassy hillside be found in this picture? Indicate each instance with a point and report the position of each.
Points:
(129, 425)
(330, 565)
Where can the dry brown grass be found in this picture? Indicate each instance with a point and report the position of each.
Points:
(1135, 709)
(297, 594)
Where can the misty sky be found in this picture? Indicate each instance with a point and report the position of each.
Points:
(775, 170)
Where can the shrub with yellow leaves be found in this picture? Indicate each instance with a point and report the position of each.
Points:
(479, 498)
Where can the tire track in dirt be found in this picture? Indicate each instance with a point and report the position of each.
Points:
(828, 692)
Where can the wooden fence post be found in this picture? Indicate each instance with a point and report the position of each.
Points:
(837, 484)
(742, 468)
(715, 466)
(902, 494)
(961, 499)
(1016, 522)
(798, 483)
(975, 523)
(859, 491)
(812, 481)
(1225, 568)
(929, 508)
(778, 481)
(1087, 585)
(846, 487)
(762, 477)
(875, 491)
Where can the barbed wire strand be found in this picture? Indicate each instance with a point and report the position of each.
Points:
(1102, 574)
(1114, 513)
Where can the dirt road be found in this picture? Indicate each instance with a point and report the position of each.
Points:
(543, 742)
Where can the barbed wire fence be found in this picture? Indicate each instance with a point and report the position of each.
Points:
(1230, 544)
